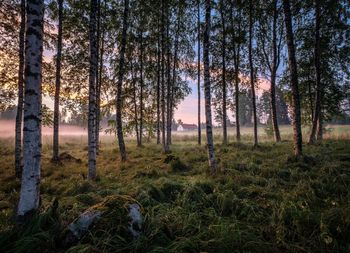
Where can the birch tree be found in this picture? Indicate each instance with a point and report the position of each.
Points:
(292, 64)
(199, 70)
(223, 74)
(30, 186)
(56, 119)
(19, 115)
(269, 37)
(119, 101)
(317, 117)
(207, 88)
(92, 92)
(252, 74)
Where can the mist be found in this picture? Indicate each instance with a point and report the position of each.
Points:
(7, 130)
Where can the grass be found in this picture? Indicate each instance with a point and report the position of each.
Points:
(262, 199)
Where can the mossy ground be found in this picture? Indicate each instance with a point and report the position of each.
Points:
(261, 200)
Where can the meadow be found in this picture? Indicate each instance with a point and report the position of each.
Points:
(262, 199)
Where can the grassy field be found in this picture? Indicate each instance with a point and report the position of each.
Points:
(262, 199)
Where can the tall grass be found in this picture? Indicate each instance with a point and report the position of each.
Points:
(262, 199)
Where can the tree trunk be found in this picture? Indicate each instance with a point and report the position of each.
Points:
(120, 83)
(238, 128)
(30, 188)
(316, 121)
(168, 96)
(207, 94)
(158, 85)
(273, 75)
(292, 63)
(141, 88)
(19, 115)
(224, 89)
(98, 93)
(99, 70)
(92, 93)
(162, 75)
(236, 63)
(252, 75)
(135, 105)
(174, 74)
(56, 118)
(199, 73)
(311, 102)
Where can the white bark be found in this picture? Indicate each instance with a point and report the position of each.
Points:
(30, 188)
(92, 93)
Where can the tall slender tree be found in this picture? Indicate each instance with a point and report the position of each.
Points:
(207, 88)
(99, 68)
(273, 70)
(199, 70)
(30, 186)
(98, 90)
(158, 80)
(224, 88)
(236, 48)
(133, 80)
(252, 74)
(119, 101)
(269, 39)
(141, 85)
(292, 64)
(92, 91)
(317, 117)
(162, 73)
(168, 88)
(56, 113)
(174, 72)
(19, 115)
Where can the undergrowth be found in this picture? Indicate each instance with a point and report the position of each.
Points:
(261, 200)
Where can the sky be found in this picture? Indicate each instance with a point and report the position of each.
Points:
(188, 109)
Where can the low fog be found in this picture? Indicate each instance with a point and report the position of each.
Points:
(7, 129)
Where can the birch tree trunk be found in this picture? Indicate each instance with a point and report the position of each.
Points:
(199, 71)
(168, 96)
(158, 84)
(92, 92)
(224, 88)
(139, 143)
(274, 67)
(236, 62)
(19, 114)
(98, 93)
(207, 94)
(174, 72)
(99, 68)
(252, 75)
(30, 188)
(56, 118)
(292, 64)
(162, 75)
(120, 83)
(316, 120)
(135, 104)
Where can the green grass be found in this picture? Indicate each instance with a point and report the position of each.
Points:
(262, 199)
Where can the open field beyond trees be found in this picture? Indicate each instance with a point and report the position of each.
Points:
(262, 199)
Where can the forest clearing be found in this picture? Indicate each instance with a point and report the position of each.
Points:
(180, 126)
